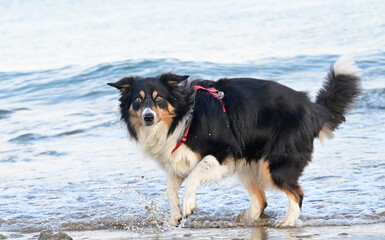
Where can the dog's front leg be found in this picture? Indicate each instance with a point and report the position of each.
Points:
(207, 170)
(173, 186)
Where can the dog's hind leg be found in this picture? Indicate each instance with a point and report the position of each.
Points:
(208, 169)
(284, 176)
(295, 195)
(173, 186)
(251, 181)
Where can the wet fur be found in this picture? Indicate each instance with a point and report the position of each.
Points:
(272, 127)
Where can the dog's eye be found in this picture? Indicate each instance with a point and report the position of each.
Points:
(158, 99)
(138, 100)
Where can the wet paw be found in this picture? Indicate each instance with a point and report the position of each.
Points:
(286, 222)
(247, 216)
(175, 220)
(189, 204)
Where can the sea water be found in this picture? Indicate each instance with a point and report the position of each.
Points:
(67, 162)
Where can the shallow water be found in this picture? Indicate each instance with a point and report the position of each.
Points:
(66, 162)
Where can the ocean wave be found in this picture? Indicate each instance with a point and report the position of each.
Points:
(29, 137)
(372, 99)
(5, 113)
(75, 83)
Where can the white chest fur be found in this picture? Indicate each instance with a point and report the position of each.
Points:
(156, 144)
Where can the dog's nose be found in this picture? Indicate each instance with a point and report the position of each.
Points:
(148, 117)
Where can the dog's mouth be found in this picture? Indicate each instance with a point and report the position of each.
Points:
(149, 124)
(149, 117)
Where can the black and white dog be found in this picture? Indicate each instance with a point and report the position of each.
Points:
(203, 131)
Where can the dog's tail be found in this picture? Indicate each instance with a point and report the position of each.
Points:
(340, 89)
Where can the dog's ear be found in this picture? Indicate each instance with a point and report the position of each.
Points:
(171, 79)
(123, 84)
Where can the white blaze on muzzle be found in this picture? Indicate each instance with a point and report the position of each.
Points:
(148, 116)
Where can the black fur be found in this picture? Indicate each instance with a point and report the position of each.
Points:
(337, 95)
(179, 95)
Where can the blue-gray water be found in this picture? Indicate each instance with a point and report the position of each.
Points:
(66, 162)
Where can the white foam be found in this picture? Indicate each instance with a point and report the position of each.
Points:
(346, 66)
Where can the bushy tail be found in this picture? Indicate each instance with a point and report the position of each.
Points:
(340, 89)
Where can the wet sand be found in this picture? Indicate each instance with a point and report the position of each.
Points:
(369, 231)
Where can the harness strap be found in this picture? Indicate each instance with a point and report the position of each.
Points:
(218, 95)
(184, 137)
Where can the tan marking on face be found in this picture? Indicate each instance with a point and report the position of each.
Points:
(154, 94)
(171, 109)
(135, 118)
(165, 115)
(142, 94)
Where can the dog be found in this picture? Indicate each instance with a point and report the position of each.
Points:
(202, 131)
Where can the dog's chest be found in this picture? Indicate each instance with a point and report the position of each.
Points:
(182, 161)
(155, 143)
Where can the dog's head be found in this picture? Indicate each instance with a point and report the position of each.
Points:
(145, 102)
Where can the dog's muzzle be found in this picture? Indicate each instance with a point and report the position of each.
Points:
(148, 117)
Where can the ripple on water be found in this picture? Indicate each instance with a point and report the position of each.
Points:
(5, 113)
(29, 137)
(69, 133)
(9, 159)
(26, 138)
(52, 153)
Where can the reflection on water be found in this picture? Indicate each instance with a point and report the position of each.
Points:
(258, 233)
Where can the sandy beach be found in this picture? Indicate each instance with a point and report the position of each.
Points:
(367, 231)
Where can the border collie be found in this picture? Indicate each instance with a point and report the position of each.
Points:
(202, 131)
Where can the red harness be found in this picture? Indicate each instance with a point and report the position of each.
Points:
(218, 95)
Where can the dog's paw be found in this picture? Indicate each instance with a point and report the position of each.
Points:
(175, 220)
(287, 222)
(189, 204)
(247, 216)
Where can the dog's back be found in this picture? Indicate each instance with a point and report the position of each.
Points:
(266, 118)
